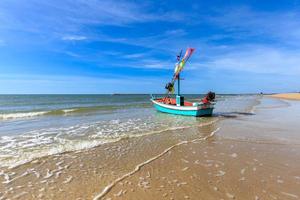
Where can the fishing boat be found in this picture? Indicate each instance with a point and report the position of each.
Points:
(178, 105)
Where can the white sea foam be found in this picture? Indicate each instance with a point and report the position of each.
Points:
(8, 179)
(139, 166)
(234, 155)
(24, 157)
(24, 115)
(221, 173)
(19, 149)
(21, 115)
(69, 110)
(68, 179)
(290, 195)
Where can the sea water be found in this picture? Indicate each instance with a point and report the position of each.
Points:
(33, 126)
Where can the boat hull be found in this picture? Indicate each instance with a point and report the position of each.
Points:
(184, 110)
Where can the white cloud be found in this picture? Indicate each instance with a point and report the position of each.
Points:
(69, 19)
(69, 16)
(157, 64)
(147, 63)
(244, 23)
(74, 37)
(256, 59)
(134, 56)
(47, 84)
(175, 32)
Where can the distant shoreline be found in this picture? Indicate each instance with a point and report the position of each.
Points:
(289, 96)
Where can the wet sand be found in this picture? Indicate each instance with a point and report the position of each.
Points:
(240, 156)
(290, 96)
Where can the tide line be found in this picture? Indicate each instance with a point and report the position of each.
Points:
(139, 166)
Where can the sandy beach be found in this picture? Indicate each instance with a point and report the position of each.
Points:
(149, 100)
(290, 96)
(250, 155)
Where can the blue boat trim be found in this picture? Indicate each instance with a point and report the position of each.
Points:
(202, 110)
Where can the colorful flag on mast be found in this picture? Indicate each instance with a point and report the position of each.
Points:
(179, 65)
(178, 68)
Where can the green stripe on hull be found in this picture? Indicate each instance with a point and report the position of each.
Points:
(196, 113)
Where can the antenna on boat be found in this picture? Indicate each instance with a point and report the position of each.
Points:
(179, 56)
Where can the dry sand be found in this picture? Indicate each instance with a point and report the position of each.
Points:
(290, 96)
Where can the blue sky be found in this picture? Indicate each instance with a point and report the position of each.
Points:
(105, 46)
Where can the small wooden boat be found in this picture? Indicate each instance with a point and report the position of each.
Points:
(189, 109)
(177, 105)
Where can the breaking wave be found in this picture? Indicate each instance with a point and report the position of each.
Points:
(21, 115)
(20, 149)
(68, 111)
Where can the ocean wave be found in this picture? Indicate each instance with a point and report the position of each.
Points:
(20, 149)
(68, 111)
(21, 115)
(15, 160)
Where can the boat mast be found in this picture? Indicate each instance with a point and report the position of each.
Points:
(179, 99)
(178, 85)
(179, 66)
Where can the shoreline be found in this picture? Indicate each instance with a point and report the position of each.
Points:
(84, 174)
(288, 96)
(219, 160)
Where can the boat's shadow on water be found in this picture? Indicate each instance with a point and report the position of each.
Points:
(232, 114)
